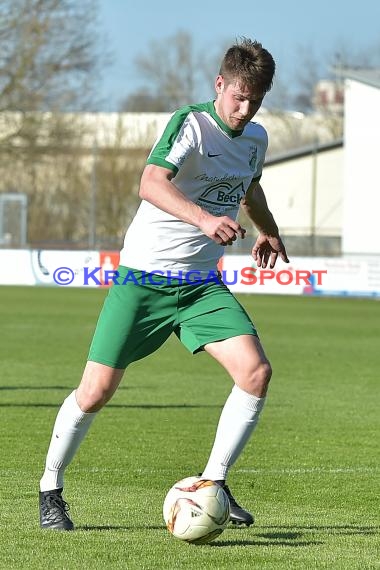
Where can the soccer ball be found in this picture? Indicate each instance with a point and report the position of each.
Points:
(196, 510)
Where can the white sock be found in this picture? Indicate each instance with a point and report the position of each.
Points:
(237, 421)
(69, 430)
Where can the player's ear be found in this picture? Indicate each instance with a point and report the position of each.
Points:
(219, 84)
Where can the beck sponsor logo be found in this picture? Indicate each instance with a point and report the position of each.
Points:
(223, 193)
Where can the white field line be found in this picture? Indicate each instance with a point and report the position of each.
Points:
(305, 470)
(275, 471)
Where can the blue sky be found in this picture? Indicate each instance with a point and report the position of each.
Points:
(282, 26)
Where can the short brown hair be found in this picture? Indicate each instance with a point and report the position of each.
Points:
(249, 63)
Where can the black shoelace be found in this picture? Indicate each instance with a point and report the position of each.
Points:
(55, 508)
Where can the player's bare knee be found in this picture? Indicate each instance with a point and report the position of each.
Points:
(266, 372)
(259, 379)
(97, 386)
(92, 397)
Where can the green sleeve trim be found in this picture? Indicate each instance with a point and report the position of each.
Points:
(161, 162)
(163, 146)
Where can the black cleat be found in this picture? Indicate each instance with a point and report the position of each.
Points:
(53, 511)
(238, 515)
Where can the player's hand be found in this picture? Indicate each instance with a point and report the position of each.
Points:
(223, 230)
(267, 249)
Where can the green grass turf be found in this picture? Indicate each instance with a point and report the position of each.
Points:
(310, 473)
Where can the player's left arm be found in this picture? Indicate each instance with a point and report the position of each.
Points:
(268, 245)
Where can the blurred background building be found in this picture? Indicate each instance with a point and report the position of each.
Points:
(319, 176)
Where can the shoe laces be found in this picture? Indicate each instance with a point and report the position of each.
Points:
(54, 507)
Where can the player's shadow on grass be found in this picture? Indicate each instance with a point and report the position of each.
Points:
(66, 388)
(35, 388)
(113, 527)
(291, 539)
(127, 406)
(349, 529)
(296, 536)
(289, 543)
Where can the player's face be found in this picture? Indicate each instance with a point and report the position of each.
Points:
(236, 104)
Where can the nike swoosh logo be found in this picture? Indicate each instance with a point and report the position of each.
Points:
(210, 155)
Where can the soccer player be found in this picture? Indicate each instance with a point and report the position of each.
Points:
(207, 162)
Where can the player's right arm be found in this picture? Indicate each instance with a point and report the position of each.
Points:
(268, 244)
(156, 187)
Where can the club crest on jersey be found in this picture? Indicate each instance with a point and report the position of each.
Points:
(223, 193)
(253, 157)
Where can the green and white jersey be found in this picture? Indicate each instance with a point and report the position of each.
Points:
(213, 167)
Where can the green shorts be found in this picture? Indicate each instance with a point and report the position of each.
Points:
(138, 316)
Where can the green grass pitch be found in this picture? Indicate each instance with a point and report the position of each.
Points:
(310, 474)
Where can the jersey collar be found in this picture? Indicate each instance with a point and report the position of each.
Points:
(230, 132)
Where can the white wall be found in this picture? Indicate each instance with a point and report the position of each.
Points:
(289, 187)
(361, 211)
